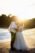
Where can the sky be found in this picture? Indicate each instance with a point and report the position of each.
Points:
(24, 9)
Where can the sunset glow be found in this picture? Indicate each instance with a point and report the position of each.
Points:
(24, 9)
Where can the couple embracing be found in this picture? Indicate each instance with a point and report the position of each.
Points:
(17, 39)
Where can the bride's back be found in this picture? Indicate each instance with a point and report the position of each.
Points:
(20, 28)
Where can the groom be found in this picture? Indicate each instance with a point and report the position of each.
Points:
(12, 29)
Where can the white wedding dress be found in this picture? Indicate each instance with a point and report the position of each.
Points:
(20, 42)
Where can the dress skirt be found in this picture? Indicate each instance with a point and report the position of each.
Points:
(20, 42)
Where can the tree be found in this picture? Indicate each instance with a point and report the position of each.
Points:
(4, 21)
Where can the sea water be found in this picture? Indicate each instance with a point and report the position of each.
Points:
(5, 40)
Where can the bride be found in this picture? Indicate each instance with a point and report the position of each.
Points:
(19, 43)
